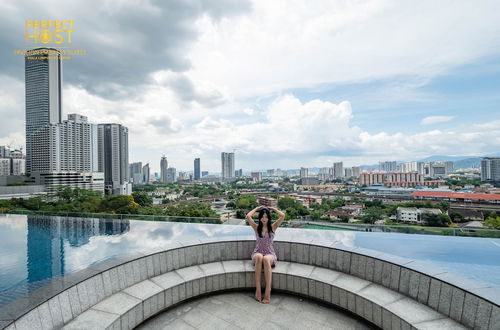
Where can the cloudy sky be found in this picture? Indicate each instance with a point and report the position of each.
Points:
(283, 83)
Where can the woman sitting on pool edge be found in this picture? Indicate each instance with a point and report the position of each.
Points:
(263, 254)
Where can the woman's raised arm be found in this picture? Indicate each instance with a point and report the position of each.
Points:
(280, 220)
(250, 215)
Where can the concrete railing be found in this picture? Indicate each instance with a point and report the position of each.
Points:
(387, 291)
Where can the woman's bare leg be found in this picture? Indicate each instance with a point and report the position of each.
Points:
(258, 257)
(268, 261)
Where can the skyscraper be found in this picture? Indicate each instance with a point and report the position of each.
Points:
(113, 157)
(43, 75)
(163, 169)
(227, 160)
(197, 170)
(146, 173)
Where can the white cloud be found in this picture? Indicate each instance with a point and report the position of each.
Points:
(187, 91)
(249, 111)
(316, 133)
(288, 44)
(282, 45)
(11, 112)
(287, 133)
(435, 119)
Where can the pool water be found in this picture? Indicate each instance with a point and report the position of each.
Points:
(34, 249)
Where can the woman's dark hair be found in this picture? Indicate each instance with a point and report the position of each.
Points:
(269, 227)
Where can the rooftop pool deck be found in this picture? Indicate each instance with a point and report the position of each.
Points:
(36, 249)
(88, 273)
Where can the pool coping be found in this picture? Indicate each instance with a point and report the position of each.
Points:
(21, 306)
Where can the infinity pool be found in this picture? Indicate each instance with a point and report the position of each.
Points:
(34, 249)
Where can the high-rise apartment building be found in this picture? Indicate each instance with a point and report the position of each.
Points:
(227, 162)
(438, 169)
(4, 166)
(146, 173)
(163, 169)
(490, 169)
(304, 172)
(112, 142)
(197, 169)
(67, 146)
(136, 175)
(43, 76)
(418, 167)
(13, 162)
(4, 152)
(17, 166)
(356, 171)
(171, 177)
(338, 170)
(388, 167)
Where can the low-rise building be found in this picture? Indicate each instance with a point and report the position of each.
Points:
(336, 214)
(354, 208)
(414, 214)
(256, 176)
(457, 197)
(268, 201)
(309, 181)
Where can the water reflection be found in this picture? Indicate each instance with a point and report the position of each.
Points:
(50, 237)
(34, 249)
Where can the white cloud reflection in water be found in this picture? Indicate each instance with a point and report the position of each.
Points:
(84, 242)
(145, 237)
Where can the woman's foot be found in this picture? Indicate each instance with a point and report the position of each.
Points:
(258, 295)
(267, 297)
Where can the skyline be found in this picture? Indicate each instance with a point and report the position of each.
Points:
(343, 86)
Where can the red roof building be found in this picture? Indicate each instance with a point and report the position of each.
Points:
(453, 196)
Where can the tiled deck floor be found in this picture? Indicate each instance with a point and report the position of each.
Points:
(239, 310)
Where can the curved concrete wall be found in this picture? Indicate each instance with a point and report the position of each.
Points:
(467, 303)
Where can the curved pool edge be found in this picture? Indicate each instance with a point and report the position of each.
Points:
(391, 271)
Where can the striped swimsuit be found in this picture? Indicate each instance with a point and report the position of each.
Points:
(264, 245)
